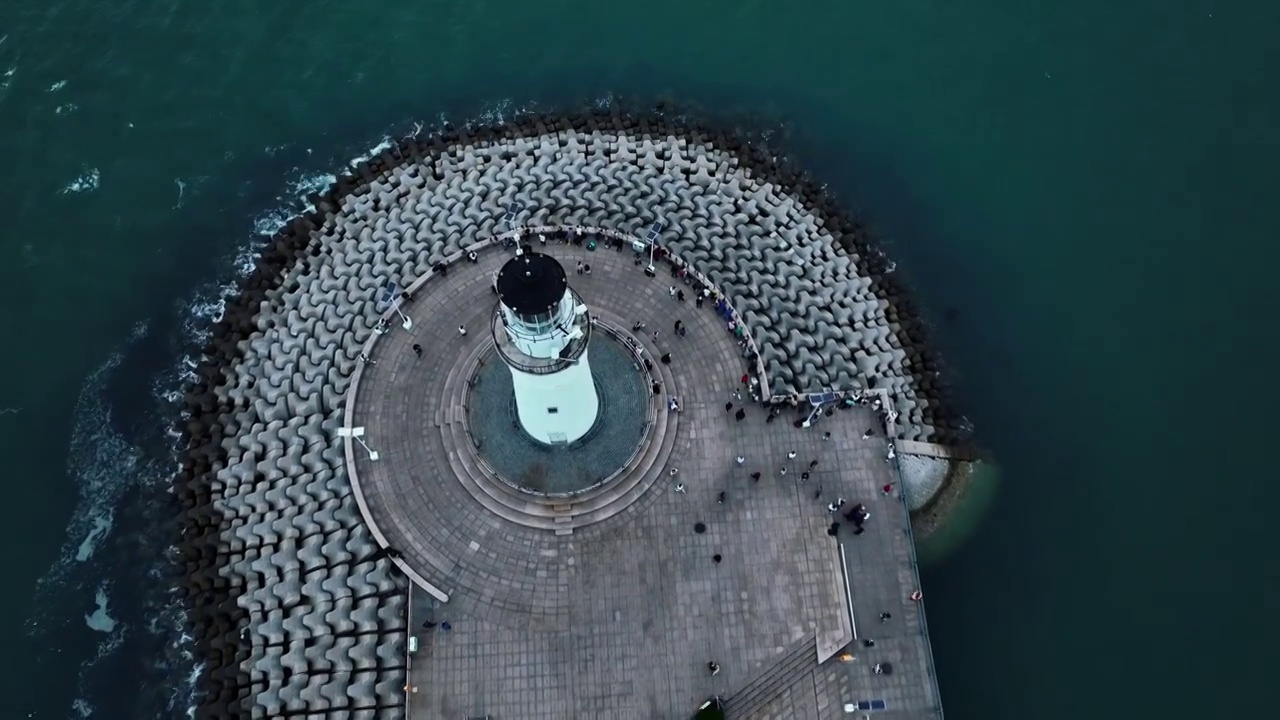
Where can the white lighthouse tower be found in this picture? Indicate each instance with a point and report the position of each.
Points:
(541, 329)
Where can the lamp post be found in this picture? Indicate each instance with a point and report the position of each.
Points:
(358, 434)
(654, 231)
(405, 321)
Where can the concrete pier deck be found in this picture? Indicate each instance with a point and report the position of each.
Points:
(615, 611)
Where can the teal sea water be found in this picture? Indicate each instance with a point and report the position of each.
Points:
(1085, 188)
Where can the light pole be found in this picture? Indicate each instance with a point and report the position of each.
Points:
(358, 434)
(405, 321)
(654, 231)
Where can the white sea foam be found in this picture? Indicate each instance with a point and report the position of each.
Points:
(87, 181)
(100, 525)
(57, 86)
(305, 182)
(102, 463)
(65, 109)
(6, 81)
(100, 619)
(106, 646)
(501, 111)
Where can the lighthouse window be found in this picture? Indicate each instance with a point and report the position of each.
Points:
(552, 411)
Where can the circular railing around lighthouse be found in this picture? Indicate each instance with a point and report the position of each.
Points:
(537, 366)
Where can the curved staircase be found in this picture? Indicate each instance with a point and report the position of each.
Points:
(559, 515)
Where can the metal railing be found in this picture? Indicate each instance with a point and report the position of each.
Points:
(915, 570)
(514, 357)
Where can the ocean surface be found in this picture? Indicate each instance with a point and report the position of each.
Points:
(1081, 192)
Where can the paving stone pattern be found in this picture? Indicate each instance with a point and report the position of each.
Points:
(619, 619)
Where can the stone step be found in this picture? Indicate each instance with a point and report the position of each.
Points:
(648, 469)
(795, 663)
(561, 516)
(621, 486)
(477, 486)
(475, 477)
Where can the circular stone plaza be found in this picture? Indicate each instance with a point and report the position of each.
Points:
(555, 420)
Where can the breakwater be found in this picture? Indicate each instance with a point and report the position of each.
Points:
(295, 609)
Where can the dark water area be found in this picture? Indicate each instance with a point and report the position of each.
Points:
(1078, 192)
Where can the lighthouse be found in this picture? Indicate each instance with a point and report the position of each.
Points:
(541, 329)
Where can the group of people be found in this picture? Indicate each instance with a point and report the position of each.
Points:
(857, 515)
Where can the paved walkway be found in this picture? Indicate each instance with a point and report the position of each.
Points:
(619, 618)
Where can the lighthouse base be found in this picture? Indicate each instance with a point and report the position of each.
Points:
(562, 470)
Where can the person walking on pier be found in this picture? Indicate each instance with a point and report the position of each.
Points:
(680, 488)
(714, 667)
(728, 407)
(720, 498)
(666, 358)
(417, 349)
(755, 476)
(462, 330)
(740, 414)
